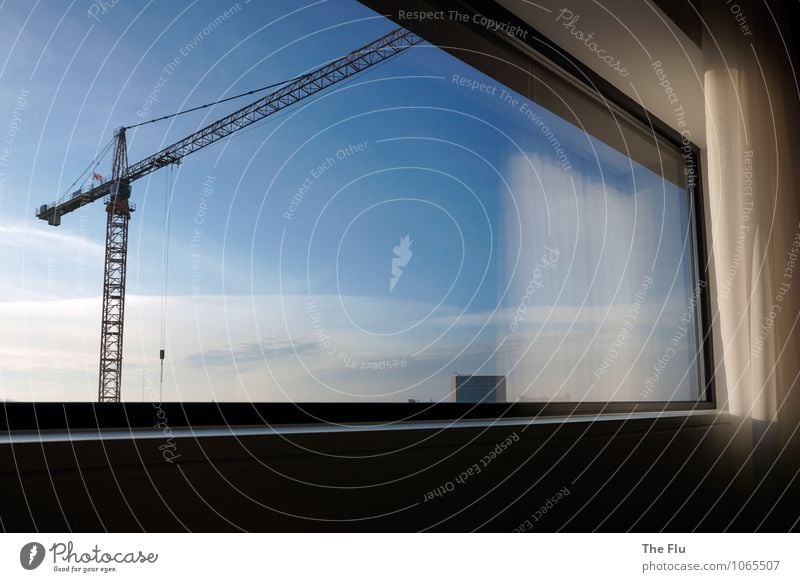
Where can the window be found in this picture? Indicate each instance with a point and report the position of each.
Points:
(465, 222)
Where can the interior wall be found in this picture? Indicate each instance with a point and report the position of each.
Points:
(613, 476)
(642, 39)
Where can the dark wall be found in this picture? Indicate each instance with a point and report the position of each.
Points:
(620, 476)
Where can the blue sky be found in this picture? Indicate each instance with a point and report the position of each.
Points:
(261, 306)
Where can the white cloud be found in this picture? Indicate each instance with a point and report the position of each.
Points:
(21, 236)
(267, 348)
(41, 262)
(221, 348)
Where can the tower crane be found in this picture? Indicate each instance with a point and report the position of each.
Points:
(116, 191)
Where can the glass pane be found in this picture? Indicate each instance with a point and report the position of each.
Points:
(425, 231)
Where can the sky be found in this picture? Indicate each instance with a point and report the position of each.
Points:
(363, 245)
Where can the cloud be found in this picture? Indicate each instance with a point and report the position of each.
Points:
(49, 349)
(266, 348)
(22, 236)
(244, 354)
(41, 262)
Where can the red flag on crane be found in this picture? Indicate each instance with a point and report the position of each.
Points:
(96, 176)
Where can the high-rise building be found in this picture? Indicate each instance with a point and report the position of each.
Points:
(478, 389)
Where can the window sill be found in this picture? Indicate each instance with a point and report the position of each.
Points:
(578, 421)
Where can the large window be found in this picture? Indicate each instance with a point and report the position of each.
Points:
(463, 222)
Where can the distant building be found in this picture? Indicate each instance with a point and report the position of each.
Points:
(478, 389)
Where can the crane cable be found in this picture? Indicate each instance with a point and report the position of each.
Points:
(165, 276)
(176, 114)
(91, 168)
(245, 94)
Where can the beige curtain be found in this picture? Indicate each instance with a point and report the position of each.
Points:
(752, 125)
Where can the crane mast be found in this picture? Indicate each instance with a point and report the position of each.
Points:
(117, 190)
(118, 209)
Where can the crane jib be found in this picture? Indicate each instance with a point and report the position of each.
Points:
(370, 54)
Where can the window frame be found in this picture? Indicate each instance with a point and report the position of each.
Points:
(39, 416)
